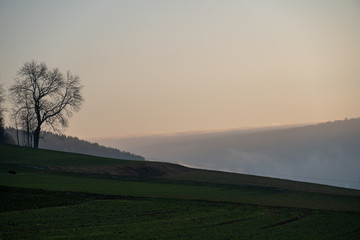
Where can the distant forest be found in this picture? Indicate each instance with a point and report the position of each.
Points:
(64, 143)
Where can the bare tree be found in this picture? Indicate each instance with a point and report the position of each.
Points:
(24, 117)
(43, 97)
(2, 129)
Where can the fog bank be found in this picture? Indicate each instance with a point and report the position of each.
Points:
(327, 153)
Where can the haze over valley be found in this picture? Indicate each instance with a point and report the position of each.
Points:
(327, 153)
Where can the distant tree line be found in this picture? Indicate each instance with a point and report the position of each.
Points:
(65, 143)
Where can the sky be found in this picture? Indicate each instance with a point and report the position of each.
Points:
(172, 66)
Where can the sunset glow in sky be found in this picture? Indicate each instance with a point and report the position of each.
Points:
(172, 66)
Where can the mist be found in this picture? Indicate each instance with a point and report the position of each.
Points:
(326, 153)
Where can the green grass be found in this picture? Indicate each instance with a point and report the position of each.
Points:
(91, 217)
(36, 203)
(251, 180)
(94, 217)
(174, 189)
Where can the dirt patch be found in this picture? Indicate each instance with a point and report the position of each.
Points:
(142, 169)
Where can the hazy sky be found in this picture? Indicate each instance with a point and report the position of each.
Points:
(171, 66)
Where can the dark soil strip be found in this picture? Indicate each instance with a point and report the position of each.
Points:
(302, 216)
(230, 222)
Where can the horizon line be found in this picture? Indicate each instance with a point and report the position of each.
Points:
(209, 131)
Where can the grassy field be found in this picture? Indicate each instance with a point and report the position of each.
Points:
(70, 202)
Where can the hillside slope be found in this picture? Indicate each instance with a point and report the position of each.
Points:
(55, 195)
(59, 171)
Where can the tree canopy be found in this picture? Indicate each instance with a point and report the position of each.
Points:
(42, 96)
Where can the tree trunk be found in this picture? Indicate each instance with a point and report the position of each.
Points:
(36, 137)
(28, 136)
(17, 136)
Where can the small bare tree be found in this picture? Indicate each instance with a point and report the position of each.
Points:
(2, 128)
(24, 117)
(44, 97)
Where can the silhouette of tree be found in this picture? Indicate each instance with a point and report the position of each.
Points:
(23, 116)
(44, 97)
(2, 129)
